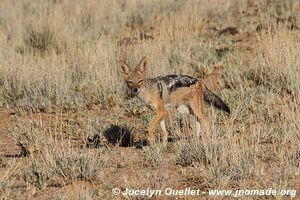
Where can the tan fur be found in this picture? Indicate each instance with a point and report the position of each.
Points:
(192, 96)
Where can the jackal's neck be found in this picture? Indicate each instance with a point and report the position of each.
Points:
(145, 95)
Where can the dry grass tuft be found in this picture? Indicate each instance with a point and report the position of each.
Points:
(74, 165)
(277, 65)
(191, 153)
(58, 64)
(154, 156)
(30, 140)
(41, 40)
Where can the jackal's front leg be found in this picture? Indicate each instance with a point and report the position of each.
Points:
(160, 114)
(165, 132)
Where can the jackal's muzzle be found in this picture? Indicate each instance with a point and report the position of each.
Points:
(133, 92)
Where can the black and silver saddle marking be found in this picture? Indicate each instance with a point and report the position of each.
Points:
(160, 89)
(175, 81)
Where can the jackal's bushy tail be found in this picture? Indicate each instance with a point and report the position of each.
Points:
(216, 101)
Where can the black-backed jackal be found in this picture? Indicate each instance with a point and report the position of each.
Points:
(171, 91)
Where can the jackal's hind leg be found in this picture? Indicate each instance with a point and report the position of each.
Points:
(197, 106)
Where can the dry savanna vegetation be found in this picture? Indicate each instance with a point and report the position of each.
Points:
(69, 131)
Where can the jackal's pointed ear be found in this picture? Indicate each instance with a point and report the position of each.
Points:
(142, 66)
(125, 68)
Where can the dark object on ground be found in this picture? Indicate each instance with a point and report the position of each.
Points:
(118, 135)
(228, 31)
(122, 136)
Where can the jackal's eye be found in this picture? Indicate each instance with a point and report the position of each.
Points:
(140, 81)
(129, 82)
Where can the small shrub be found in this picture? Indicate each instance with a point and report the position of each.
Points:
(35, 174)
(95, 137)
(191, 153)
(133, 108)
(72, 165)
(29, 139)
(154, 156)
(277, 65)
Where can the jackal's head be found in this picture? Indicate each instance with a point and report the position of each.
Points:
(134, 78)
